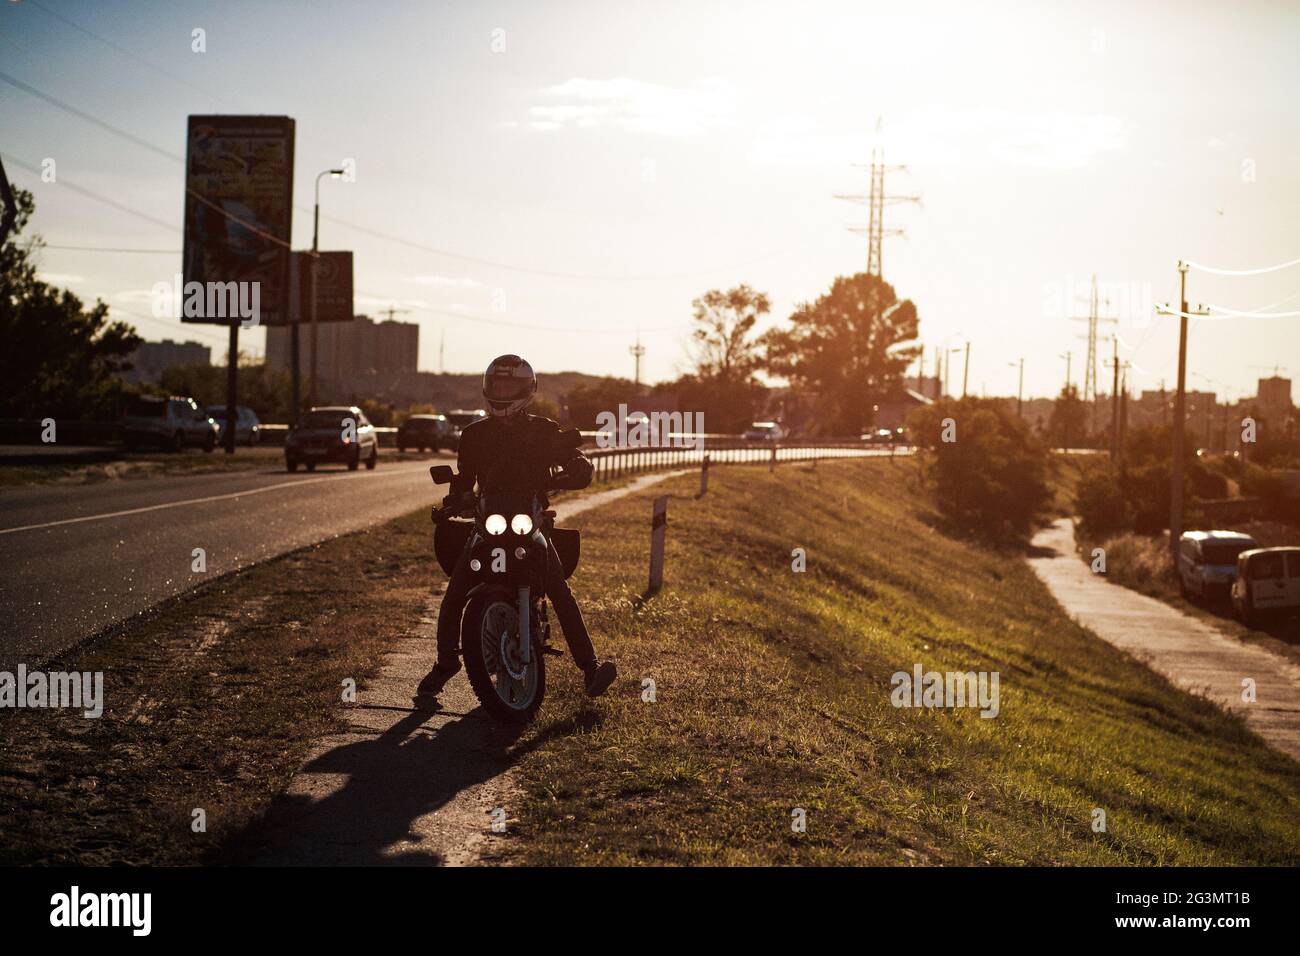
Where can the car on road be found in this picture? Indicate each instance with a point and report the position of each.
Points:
(1207, 561)
(460, 417)
(247, 427)
(332, 433)
(764, 431)
(427, 433)
(172, 423)
(881, 436)
(1268, 580)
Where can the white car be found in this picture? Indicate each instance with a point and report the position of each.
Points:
(765, 431)
(1268, 579)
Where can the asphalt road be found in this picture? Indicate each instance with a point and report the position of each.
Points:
(75, 559)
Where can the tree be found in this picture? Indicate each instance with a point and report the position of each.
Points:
(723, 323)
(723, 385)
(60, 359)
(583, 403)
(1068, 423)
(848, 348)
(266, 390)
(987, 471)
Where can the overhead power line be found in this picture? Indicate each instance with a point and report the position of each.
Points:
(376, 233)
(1243, 272)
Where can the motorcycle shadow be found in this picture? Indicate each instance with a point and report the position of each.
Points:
(375, 798)
(390, 797)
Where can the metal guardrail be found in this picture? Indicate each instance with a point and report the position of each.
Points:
(611, 464)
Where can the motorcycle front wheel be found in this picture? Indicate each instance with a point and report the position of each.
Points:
(489, 638)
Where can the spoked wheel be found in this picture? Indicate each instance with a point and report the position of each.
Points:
(510, 690)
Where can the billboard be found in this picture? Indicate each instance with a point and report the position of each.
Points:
(333, 287)
(238, 218)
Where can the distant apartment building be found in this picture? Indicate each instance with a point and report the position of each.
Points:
(1273, 396)
(151, 359)
(350, 355)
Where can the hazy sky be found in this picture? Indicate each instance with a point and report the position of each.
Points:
(616, 159)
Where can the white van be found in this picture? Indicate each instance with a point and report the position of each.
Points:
(1207, 562)
(1268, 580)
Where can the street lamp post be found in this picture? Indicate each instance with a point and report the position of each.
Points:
(315, 247)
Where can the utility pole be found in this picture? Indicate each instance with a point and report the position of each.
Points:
(1180, 402)
(1114, 401)
(1067, 356)
(876, 201)
(637, 351)
(442, 351)
(1020, 388)
(965, 370)
(1123, 415)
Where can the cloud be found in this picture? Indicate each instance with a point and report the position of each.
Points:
(61, 278)
(633, 105)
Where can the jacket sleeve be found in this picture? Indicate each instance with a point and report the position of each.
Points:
(575, 468)
(467, 465)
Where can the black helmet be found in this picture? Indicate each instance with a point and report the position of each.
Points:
(508, 385)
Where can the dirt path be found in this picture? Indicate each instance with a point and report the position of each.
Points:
(1192, 654)
(400, 786)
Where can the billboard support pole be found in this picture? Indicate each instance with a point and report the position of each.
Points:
(232, 378)
(294, 352)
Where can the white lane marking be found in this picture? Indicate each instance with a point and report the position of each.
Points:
(387, 473)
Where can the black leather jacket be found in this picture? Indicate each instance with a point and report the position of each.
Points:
(531, 453)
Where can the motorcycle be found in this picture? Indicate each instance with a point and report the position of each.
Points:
(505, 631)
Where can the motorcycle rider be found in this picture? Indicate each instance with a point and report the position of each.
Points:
(526, 448)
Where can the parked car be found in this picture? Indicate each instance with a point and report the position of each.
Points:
(460, 417)
(247, 427)
(335, 433)
(427, 432)
(764, 431)
(1207, 561)
(1268, 579)
(171, 423)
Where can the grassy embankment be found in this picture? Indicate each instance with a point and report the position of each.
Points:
(772, 692)
(773, 688)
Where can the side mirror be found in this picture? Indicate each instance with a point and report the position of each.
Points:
(442, 474)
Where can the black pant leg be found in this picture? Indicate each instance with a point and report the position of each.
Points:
(567, 612)
(451, 608)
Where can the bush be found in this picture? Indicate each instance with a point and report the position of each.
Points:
(1099, 502)
(991, 478)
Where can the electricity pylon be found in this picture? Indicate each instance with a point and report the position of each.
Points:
(877, 199)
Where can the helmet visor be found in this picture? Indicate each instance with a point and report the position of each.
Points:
(506, 388)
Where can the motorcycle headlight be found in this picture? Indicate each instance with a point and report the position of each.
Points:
(521, 524)
(495, 524)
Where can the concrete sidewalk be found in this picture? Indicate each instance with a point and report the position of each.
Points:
(1190, 653)
(401, 786)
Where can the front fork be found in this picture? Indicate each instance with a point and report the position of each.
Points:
(525, 621)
